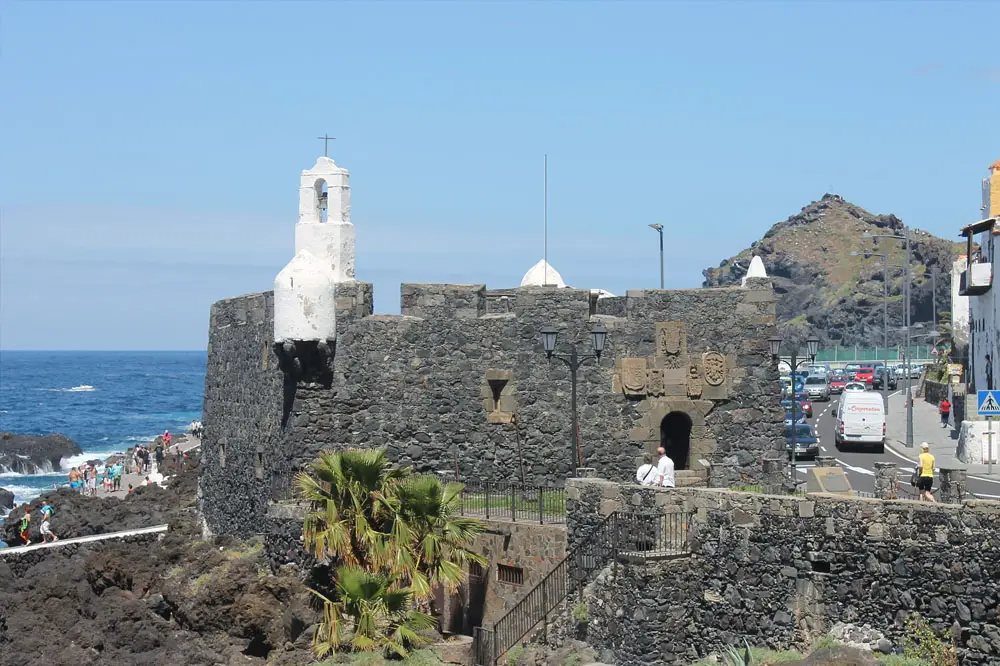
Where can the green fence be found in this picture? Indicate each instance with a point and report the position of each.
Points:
(841, 354)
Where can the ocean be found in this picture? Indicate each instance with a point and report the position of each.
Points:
(104, 401)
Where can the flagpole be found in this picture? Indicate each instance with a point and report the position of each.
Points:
(545, 217)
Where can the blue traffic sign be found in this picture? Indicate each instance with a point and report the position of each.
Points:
(989, 403)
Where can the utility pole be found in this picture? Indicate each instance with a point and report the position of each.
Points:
(909, 354)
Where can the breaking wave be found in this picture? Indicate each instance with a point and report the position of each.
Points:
(82, 388)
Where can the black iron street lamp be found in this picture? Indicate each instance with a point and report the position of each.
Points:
(812, 347)
(658, 228)
(598, 336)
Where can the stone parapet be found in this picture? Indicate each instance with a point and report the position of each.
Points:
(885, 480)
(954, 486)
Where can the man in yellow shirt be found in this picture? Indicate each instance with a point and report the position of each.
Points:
(926, 479)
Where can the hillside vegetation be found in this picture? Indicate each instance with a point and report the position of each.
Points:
(823, 289)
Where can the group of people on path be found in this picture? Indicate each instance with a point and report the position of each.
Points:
(661, 474)
(142, 457)
(46, 529)
(84, 478)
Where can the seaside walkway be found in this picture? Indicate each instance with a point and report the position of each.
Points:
(84, 539)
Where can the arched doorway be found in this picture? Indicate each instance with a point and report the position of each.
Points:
(675, 438)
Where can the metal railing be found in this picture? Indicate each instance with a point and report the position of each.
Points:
(514, 502)
(618, 535)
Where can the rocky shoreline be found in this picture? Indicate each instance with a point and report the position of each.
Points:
(34, 454)
(183, 601)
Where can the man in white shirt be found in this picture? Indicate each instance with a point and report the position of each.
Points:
(665, 469)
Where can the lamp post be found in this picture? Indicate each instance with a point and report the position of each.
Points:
(884, 256)
(659, 230)
(812, 346)
(906, 323)
(598, 336)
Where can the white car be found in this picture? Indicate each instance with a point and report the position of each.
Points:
(853, 386)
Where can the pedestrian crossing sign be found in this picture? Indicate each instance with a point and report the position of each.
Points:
(989, 403)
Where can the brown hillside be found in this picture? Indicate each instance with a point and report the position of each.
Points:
(823, 288)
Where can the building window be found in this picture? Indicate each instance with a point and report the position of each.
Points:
(260, 463)
(266, 358)
(509, 574)
(476, 570)
(222, 453)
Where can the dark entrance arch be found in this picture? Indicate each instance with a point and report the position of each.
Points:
(675, 437)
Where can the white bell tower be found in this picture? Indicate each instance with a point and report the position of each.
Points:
(305, 289)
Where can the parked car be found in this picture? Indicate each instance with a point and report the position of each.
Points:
(860, 422)
(866, 375)
(837, 383)
(806, 443)
(854, 386)
(817, 387)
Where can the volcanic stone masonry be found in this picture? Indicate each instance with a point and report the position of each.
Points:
(458, 383)
(781, 571)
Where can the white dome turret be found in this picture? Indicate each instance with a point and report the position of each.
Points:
(542, 275)
(756, 270)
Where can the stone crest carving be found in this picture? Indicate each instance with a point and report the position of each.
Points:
(694, 387)
(714, 364)
(634, 376)
(669, 338)
(655, 385)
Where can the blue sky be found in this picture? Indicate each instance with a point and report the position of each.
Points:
(151, 151)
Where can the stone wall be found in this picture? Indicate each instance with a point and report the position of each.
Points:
(533, 548)
(779, 571)
(459, 382)
(246, 406)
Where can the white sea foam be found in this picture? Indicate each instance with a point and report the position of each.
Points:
(82, 388)
(69, 462)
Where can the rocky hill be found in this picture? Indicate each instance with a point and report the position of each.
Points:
(823, 289)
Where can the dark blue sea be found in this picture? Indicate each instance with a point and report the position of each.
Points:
(105, 401)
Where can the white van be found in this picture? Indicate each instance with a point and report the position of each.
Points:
(860, 421)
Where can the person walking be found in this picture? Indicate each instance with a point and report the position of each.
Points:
(116, 475)
(159, 457)
(664, 469)
(25, 525)
(925, 480)
(944, 409)
(46, 529)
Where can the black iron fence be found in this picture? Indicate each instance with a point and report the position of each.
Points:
(618, 535)
(514, 502)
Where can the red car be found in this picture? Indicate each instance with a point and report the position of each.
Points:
(837, 383)
(865, 375)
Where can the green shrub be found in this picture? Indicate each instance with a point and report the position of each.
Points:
(580, 613)
(922, 644)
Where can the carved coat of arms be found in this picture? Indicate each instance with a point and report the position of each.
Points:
(654, 384)
(669, 338)
(634, 375)
(714, 365)
(694, 387)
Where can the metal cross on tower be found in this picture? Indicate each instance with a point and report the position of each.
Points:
(326, 141)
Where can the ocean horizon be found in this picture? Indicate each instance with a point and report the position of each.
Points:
(106, 401)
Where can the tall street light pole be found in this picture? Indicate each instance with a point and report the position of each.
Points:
(659, 230)
(906, 322)
(884, 256)
(812, 346)
(598, 336)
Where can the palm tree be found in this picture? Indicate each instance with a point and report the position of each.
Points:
(438, 539)
(402, 531)
(350, 494)
(383, 619)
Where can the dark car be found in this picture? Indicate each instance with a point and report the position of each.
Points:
(880, 376)
(804, 407)
(806, 443)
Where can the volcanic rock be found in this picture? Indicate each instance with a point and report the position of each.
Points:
(6, 499)
(823, 289)
(34, 454)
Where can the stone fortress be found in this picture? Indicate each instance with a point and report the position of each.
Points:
(458, 383)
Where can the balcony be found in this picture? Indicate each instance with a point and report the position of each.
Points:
(976, 279)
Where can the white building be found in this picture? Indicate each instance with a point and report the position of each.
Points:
(977, 281)
(304, 290)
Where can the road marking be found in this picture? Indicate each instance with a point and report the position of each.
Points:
(824, 449)
(859, 470)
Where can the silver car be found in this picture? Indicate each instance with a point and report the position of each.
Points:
(817, 388)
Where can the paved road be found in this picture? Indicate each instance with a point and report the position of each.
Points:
(860, 465)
